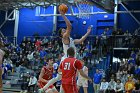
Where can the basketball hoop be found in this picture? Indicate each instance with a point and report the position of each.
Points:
(84, 8)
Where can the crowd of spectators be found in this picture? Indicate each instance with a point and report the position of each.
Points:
(33, 52)
(125, 78)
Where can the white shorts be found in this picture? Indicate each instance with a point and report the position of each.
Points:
(82, 82)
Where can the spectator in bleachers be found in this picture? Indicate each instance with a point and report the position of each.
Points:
(97, 80)
(38, 44)
(127, 37)
(30, 56)
(45, 41)
(43, 53)
(29, 41)
(138, 60)
(119, 86)
(137, 86)
(25, 80)
(6, 42)
(103, 43)
(131, 60)
(111, 86)
(104, 86)
(28, 47)
(124, 77)
(137, 71)
(123, 65)
(24, 41)
(131, 68)
(81, 54)
(88, 46)
(13, 56)
(133, 55)
(23, 46)
(57, 47)
(32, 83)
(129, 85)
(119, 74)
(8, 63)
(5, 70)
(18, 49)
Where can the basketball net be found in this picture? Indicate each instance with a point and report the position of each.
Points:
(84, 8)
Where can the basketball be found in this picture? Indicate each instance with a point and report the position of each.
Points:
(63, 8)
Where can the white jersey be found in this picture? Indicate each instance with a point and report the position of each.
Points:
(66, 46)
(85, 70)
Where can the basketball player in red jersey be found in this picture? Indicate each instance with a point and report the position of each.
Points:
(1, 58)
(69, 67)
(45, 75)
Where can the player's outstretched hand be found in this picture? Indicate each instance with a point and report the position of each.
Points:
(90, 27)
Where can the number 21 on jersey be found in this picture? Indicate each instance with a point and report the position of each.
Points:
(67, 66)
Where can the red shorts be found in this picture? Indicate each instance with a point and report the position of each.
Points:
(70, 88)
(42, 84)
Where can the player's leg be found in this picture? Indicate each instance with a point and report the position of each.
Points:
(52, 81)
(70, 88)
(54, 90)
(85, 85)
(85, 89)
(41, 85)
(79, 84)
(95, 88)
(98, 87)
(48, 91)
(78, 87)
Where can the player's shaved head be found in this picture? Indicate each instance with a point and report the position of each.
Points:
(71, 52)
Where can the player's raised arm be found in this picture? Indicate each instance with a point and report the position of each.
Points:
(68, 24)
(78, 41)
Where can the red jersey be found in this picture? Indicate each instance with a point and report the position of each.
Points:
(48, 73)
(69, 68)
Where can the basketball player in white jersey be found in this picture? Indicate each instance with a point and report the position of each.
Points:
(67, 42)
(82, 82)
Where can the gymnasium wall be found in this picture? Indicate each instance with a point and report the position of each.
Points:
(126, 22)
(29, 23)
(8, 27)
